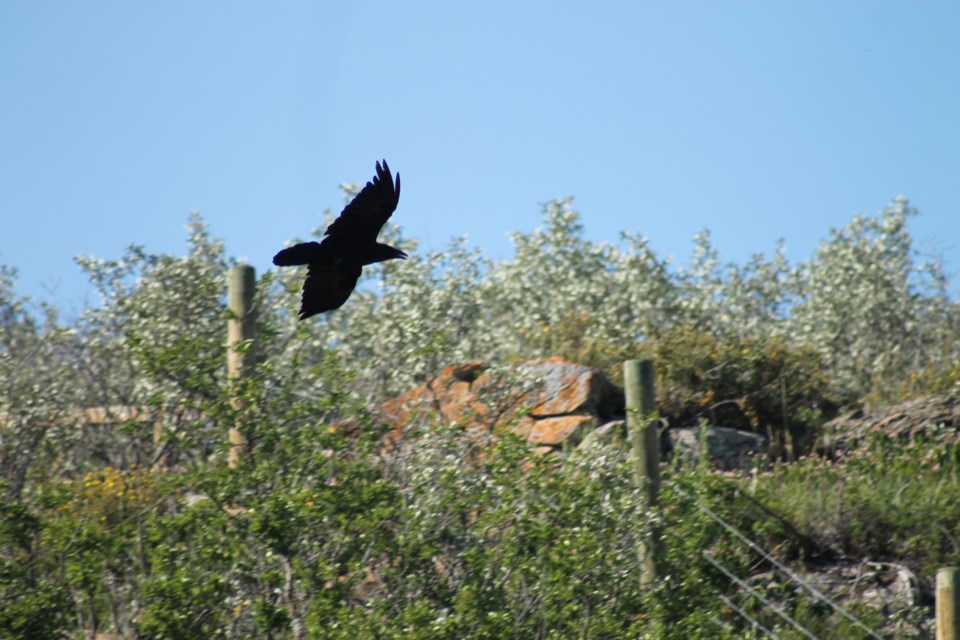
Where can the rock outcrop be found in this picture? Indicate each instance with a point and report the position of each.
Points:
(547, 402)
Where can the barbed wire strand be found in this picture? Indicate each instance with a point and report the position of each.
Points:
(759, 596)
(743, 614)
(793, 576)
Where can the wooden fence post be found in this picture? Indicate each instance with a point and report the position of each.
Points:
(240, 327)
(642, 427)
(948, 603)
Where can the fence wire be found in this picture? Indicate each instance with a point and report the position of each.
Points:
(793, 576)
(746, 616)
(759, 596)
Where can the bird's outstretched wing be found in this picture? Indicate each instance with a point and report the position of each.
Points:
(366, 214)
(327, 287)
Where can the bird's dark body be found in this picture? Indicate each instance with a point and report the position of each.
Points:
(334, 264)
(331, 252)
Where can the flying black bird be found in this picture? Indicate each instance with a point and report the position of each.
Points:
(349, 243)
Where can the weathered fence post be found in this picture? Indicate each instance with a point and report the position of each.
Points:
(948, 603)
(642, 428)
(240, 327)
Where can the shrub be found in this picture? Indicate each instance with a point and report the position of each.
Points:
(760, 385)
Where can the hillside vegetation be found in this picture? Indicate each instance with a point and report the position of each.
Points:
(138, 529)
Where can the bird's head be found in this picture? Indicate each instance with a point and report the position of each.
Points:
(386, 252)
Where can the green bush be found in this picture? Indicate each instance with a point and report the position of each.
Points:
(762, 385)
(890, 501)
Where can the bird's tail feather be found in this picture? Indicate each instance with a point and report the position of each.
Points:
(302, 253)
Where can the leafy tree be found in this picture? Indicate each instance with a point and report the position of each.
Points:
(871, 312)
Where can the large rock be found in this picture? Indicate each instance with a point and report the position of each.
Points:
(731, 448)
(548, 402)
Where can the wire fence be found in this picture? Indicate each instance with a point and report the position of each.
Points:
(793, 577)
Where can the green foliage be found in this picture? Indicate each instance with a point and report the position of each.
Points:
(879, 321)
(34, 605)
(517, 546)
(874, 315)
(137, 527)
(755, 384)
(36, 393)
(896, 501)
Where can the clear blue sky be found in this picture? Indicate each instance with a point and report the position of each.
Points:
(758, 120)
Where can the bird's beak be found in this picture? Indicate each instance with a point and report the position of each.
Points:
(402, 255)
